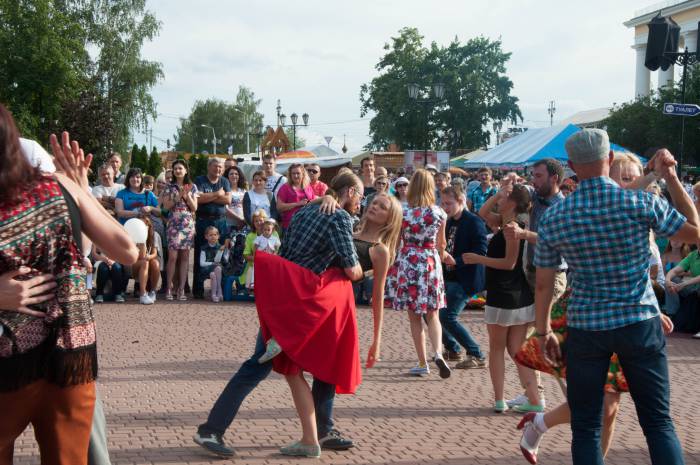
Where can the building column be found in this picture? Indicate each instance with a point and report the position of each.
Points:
(642, 82)
(690, 40)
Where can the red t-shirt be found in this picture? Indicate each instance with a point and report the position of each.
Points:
(288, 194)
(319, 188)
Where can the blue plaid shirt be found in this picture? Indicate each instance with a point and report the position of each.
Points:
(478, 197)
(602, 231)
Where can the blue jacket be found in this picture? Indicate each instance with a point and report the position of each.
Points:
(470, 237)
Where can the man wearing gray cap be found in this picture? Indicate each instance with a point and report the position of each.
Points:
(602, 231)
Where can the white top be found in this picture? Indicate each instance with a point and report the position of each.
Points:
(259, 201)
(236, 204)
(267, 244)
(272, 180)
(36, 155)
(100, 191)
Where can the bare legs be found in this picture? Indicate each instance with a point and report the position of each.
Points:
(418, 335)
(304, 403)
(215, 276)
(148, 272)
(178, 259)
(434, 333)
(611, 405)
(510, 338)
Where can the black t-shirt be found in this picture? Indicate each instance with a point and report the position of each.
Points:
(506, 288)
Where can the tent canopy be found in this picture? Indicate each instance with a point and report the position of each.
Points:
(531, 146)
(249, 167)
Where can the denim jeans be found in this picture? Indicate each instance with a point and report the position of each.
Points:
(673, 300)
(200, 227)
(248, 376)
(454, 333)
(117, 274)
(641, 348)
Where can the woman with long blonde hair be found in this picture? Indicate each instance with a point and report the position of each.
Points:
(376, 241)
(415, 281)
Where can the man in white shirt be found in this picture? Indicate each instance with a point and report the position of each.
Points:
(274, 179)
(107, 190)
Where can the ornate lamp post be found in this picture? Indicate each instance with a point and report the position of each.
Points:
(294, 118)
(414, 91)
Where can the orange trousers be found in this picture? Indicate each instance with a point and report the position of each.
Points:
(61, 417)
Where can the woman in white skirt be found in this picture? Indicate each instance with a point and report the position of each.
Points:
(510, 305)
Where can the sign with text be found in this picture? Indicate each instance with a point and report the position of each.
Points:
(681, 109)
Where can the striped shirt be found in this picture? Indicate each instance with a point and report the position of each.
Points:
(602, 231)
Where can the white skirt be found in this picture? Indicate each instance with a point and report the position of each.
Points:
(509, 316)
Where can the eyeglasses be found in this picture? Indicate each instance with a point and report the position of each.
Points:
(401, 185)
(312, 171)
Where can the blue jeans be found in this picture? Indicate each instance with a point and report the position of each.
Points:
(641, 348)
(673, 301)
(454, 333)
(248, 376)
(363, 291)
(117, 274)
(200, 227)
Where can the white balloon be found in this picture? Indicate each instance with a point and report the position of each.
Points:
(137, 230)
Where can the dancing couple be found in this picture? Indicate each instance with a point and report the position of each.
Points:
(306, 304)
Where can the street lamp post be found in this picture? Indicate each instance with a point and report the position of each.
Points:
(214, 134)
(295, 118)
(551, 110)
(497, 125)
(438, 94)
(246, 129)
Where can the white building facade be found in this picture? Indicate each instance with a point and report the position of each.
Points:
(684, 12)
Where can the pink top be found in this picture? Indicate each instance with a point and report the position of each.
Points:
(319, 188)
(288, 194)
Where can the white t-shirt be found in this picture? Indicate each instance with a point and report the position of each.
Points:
(272, 180)
(267, 244)
(259, 201)
(36, 155)
(103, 191)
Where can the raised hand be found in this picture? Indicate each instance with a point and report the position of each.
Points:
(71, 160)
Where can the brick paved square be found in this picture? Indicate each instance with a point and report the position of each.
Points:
(163, 366)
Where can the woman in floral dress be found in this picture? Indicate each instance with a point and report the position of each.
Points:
(415, 280)
(180, 197)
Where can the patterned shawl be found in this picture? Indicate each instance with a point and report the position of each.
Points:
(60, 347)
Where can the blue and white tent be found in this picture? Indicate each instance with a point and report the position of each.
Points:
(529, 147)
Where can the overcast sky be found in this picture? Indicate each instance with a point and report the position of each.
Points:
(313, 55)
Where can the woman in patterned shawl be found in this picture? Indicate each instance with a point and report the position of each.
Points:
(48, 357)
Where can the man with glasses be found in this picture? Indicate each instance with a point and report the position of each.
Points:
(314, 171)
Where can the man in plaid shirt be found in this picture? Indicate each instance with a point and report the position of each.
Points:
(602, 231)
(315, 241)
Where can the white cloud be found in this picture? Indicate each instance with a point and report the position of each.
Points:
(314, 55)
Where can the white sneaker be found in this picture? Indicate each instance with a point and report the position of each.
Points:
(696, 336)
(152, 296)
(145, 300)
(519, 400)
(530, 440)
(522, 400)
(419, 370)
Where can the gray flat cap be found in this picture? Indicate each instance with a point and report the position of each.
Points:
(588, 145)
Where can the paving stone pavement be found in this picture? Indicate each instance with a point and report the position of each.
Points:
(163, 366)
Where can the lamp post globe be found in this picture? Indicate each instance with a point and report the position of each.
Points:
(413, 91)
(439, 90)
(305, 119)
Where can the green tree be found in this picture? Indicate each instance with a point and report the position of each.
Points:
(476, 92)
(228, 120)
(300, 141)
(155, 163)
(641, 126)
(41, 64)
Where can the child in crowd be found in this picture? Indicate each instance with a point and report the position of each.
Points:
(210, 262)
(268, 242)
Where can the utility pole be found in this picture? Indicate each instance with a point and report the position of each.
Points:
(551, 110)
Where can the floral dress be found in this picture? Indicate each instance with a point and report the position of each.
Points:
(180, 230)
(415, 281)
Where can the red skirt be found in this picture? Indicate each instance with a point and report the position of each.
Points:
(313, 319)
